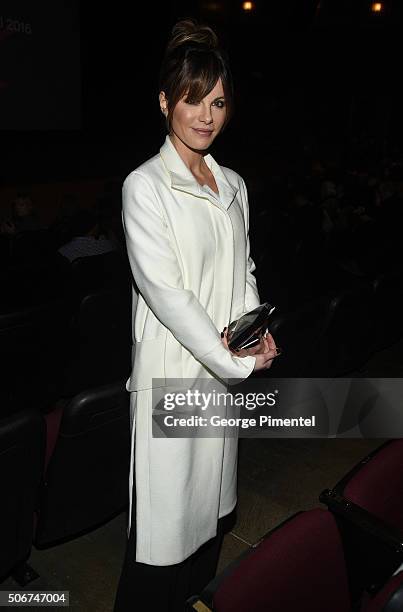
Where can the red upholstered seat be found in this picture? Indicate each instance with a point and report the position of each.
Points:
(378, 485)
(298, 566)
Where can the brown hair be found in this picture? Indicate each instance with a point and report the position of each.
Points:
(192, 64)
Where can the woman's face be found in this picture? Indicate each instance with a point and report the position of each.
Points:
(198, 124)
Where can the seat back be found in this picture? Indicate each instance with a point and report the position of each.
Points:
(376, 484)
(32, 352)
(298, 566)
(99, 347)
(22, 452)
(87, 474)
(99, 272)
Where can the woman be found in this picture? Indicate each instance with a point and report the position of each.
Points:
(186, 226)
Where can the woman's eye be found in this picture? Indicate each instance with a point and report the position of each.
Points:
(218, 103)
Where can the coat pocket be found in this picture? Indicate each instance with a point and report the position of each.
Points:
(148, 369)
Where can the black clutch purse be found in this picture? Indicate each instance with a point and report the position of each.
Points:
(247, 331)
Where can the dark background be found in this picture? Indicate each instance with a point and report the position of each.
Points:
(40, 84)
(79, 96)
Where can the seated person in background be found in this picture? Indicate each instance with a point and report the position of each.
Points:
(86, 239)
(23, 216)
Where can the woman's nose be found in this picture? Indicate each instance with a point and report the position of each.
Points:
(205, 114)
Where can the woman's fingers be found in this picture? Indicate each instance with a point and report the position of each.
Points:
(272, 348)
(259, 348)
(264, 352)
(224, 338)
(270, 341)
(263, 361)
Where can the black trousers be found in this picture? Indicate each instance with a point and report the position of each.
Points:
(166, 588)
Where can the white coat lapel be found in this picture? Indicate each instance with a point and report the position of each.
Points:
(183, 180)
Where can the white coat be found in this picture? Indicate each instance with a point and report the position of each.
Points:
(189, 253)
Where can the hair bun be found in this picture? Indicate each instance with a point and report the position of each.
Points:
(191, 32)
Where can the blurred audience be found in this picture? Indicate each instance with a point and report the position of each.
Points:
(24, 216)
(87, 239)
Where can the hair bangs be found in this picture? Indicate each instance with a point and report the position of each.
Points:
(201, 76)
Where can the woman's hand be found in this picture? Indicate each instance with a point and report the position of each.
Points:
(264, 352)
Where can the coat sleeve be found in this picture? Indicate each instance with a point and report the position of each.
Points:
(252, 299)
(158, 276)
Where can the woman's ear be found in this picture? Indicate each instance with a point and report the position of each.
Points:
(163, 103)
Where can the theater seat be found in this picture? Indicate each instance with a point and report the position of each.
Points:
(22, 452)
(376, 484)
(297, 566)
(368, 503)
(99, 347)
(88, 451)
(99, 272)
(32, 341)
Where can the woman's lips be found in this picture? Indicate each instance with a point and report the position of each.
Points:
(204, 133)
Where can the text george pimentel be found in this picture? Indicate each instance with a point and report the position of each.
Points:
(218, 421)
